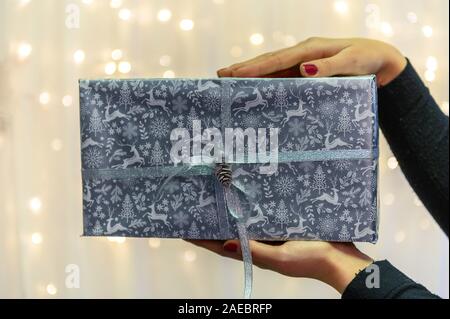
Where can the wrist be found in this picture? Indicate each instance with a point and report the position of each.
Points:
(343, 264)
(394, 63)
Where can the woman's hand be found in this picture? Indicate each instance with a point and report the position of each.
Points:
(333, 263)
(321, 57)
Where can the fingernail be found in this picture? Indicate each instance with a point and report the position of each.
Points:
(310, 69)
(230, 247)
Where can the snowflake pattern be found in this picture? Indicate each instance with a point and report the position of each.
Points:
(328, 109)
(179, 105)
(250, 120)
(327, 226)
(93, 158)
(159, 128)
(212, 99)
(285, 185)
(137, 136)
(181, 219)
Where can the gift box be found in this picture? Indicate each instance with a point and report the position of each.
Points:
(156, 158)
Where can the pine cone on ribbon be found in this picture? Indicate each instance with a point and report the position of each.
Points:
(224, 174)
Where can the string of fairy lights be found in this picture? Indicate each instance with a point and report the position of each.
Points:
(118, 65)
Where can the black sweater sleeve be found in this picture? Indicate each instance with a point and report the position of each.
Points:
(417, 132)
(392, 284)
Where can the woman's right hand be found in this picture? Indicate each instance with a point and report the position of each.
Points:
(322, 57)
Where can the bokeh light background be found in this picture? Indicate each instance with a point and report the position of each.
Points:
(41, 59)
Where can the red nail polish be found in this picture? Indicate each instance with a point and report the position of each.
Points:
(230, 247)
(310, 69)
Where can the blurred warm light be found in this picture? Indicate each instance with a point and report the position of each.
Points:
(154, 242)
(110, 68)
(386, 28)
(87, 1)
(121, 240)
(425, 223)
(115, 4)
(289, 40)
(400, 237)
(236, 51)
(186, 24)
(67, 100)
(430, 76)
(392, 163)
(169, 74)
(432, 63)
(36, 238)
(190, 255)
(24, 50)
(341, 6)
(219, 1)
(23, 3)
(116, 54)
(256, 39)
(389, 199)
(412, 17)
(164, 15)
(165, 60)
(124, 14)
(118, 240)
(35, 205)
(124, 67)
(277, 36)
(44, 98)
(417, 201)
(51, 289)
(427, 31)
(56, 144)
(445, 107)
(79, 56)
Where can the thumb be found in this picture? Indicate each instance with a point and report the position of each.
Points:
(340, 64)
(263, 255)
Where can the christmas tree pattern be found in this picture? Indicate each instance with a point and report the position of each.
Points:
(344, 234)
(157, 156)
(127, 209)
(125, 95)
(319, 180)
(193, 231)
(98, 229)
(281, 96)
(192, 116)
(281, 214)
(95, 122)
(345, 122)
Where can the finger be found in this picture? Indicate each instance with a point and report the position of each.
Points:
(217, 246)
(344, 63)
(224, 73)
(286, 58)
(292, 72)
(266, 256)
(213, 245)
(269, 63)
(227, 72)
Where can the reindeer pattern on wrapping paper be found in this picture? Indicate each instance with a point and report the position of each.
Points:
(302, 200)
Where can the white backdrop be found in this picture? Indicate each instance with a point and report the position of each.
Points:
(41, 59)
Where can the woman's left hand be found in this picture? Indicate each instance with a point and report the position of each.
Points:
(333, 263)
